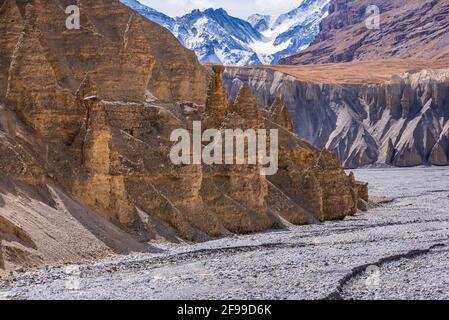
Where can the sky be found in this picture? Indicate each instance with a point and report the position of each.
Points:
(236, 8)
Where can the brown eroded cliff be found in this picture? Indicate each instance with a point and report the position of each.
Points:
(85, 127)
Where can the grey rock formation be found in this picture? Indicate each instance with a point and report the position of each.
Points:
(401, 122)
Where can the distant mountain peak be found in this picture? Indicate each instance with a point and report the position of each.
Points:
(260, 22)
(151, 14)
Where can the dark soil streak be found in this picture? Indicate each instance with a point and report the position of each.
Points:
(358, 271)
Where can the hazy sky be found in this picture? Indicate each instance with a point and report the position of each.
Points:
(237, 8)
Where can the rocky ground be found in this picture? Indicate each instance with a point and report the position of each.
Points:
(398, 251)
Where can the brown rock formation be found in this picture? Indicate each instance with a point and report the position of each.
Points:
(314, 180)
(85, 140)
(138, 59)
(242, 189)
(42, 224)
(278, 113)
(216, 104)
(408, 29)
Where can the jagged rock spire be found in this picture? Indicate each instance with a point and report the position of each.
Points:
(245, 108)
(86, 88)
(217, 101)
(279, 114)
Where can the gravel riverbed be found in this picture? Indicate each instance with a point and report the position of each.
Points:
(398, 251)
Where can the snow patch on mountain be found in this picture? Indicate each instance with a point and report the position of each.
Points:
(151, 14)
(288, 33)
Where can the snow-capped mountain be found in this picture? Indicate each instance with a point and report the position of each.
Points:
(218, 37)
(260, 22)
(151, 14)
(288, 33)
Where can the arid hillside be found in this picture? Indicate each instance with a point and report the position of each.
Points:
(408, 29)
(359, 72)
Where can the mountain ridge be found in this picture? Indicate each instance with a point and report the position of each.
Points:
(408, 29)
(217, 37)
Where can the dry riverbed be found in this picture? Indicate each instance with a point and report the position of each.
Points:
(399, 251)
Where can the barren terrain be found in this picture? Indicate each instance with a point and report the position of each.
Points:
(397, 251)
(357, 72)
